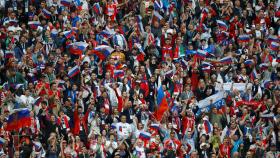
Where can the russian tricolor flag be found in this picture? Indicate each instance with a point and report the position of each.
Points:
(46, 13)
(206, 69)
(207, 126)
(162, 104)
(118, 73)
(9, 54)
(274, 46)
(77, 48)
(202, 53)
(272, 38)
(139, 23)
(263, 66)
(243, 38)
(206, 64)
(222, 25)
(145, 136)
(66, 3)
(107, 33)
(249, 62)
(74, 71)
(34, 24)
(54, 33)
(226, 60)
(18, 119)
(254, 75)
(11, 22)
(102, 51)
(96, 8)
(68, 34)
(155, 126)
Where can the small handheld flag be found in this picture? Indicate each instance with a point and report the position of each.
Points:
(74, 71)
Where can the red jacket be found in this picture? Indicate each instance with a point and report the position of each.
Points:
(77, 121)
(167, 51)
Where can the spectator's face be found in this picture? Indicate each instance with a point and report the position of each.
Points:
(123, 119)
(194, 154)
(52, 118)
(237, 3)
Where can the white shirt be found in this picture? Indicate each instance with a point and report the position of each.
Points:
(112, 147)
(123, 130)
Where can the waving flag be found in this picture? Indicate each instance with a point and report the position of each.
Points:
(155, 126)
(9, 54)
(66, 3)
(274, 46)
(69, 34)
(145, 136)
(34, 24)
(206, 64)
(77, 48)
(54, 33)
(74, 71)
(206, 69)
(162, 104)
(118, 73)
(139, 23)
(249, 62)
(203, 54)
(18, 119)
(203, 15)
(272, 38)
(46, 13)
(102, 51)
(254, 75)
(222, 25)
(96, 8)
(243, 38)
(263, 66)
(11, 22)
(207, 126)
(226, 60)
(107, 33)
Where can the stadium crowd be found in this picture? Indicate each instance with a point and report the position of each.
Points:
(139, 78)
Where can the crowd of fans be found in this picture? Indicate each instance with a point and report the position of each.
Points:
(91, 72)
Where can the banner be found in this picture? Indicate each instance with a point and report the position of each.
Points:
(227, 86)
(207, 101)
(253, 104)
(218, 104)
